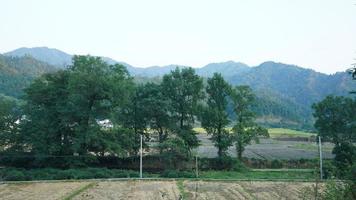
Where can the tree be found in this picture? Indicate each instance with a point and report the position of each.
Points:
(134, 115)
(65, 109)
(95, 90)
(157, 109)
(47, 126)
(352, 71)
(183, 88)
(336, 122)
(214, 116)
(245, 129)
(10, 115)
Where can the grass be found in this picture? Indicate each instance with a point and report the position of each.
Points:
(282, 132)
(78, 191)
(274, 132)
(313, 147)
(267, 175)
(182, 192)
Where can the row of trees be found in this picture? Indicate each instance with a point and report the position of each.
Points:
(96, 108)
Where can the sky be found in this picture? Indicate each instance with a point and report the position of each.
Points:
(317, 34)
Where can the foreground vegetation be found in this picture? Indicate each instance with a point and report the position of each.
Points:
(18, 174)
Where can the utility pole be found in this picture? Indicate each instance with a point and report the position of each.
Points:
(141, 157)
(196, 166)
(321, 160)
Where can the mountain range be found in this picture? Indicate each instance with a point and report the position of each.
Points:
(285, 92)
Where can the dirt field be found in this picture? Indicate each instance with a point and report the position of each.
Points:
(152, 190)
(244, 190)
(149, 190)
(269, 149)
(34, 191)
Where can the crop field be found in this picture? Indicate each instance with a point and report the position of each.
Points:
(152, 190)
(278, 146)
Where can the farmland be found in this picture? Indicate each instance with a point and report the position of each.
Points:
(171, 189)
(283, 144)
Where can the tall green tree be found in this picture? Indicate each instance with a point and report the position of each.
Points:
(65, 110)
(184, 89)
(95, 89)
(157, 109)
(214, 117)
(48, 127)
(134, 115)
(336, 122)
(245, 129)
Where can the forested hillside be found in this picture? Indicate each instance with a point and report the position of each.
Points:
(284, 92)
(16, 73)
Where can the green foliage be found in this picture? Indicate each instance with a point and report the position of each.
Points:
(177, 174)
(64, 109)
(157, 107)
(267, 175)
(345, 158)
(18, 174)
(175, 152)
(331, 191)
(10, 114)
(16, 73)
(245, 129)
(214, 116)
(221, 163)
(183, 88)
(336, 121)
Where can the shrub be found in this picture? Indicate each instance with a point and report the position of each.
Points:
(275, 164)
(14, 175)
(223, 163)
(178, 174)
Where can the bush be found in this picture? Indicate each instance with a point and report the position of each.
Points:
(223, 163)
(178, 174)
(14, 175)
(18, 174)
(276, 164)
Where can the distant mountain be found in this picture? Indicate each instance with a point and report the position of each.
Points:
(60, 59)
(227, 69)
(44, 54)
(304, 86)
(285, 92)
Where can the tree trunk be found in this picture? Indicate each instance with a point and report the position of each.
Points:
(219, 142)
(239, 151)
(160, 139)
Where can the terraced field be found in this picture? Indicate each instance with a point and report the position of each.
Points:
(152, 190)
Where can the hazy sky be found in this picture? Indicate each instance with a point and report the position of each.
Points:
(318, 34)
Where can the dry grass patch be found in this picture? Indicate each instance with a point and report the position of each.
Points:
(35, 191)
(262, 190)
(135, 190)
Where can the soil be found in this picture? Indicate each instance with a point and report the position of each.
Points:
(135, 190)
(157, 190)
(35, 191)
(267, 190)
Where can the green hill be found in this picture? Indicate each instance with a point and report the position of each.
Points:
(16, 73)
